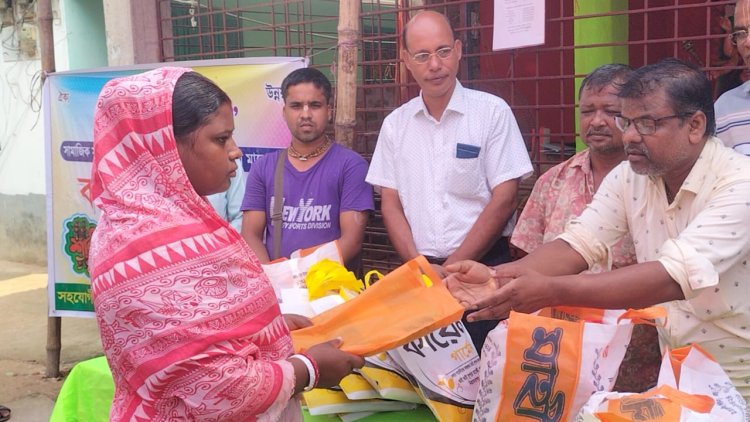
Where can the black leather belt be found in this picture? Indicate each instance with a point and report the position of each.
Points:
(498, 254)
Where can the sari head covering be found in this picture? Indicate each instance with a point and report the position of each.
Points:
(188, 320)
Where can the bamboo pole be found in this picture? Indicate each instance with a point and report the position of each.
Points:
(346, 72)
(46, 39)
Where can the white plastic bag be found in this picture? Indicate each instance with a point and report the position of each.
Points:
(288, 277)
(692, 370)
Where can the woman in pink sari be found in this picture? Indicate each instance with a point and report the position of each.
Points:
(189, 322)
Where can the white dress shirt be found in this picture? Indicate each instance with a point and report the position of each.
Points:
(442, 194)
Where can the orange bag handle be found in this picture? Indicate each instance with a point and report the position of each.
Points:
(645, 315)
(696, 402)
(611, 417)
(595, 315)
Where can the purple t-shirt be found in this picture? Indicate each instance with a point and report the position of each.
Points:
(313, 199)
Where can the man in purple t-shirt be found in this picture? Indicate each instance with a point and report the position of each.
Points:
(325, 193)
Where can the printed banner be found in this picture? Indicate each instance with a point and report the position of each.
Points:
(253, 84)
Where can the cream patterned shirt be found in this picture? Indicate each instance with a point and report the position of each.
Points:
(444, 171)
(703, 240)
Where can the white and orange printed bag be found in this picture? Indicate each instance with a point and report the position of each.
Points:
(692, 370)
(538, 368)
(692, 387)
(661, 404)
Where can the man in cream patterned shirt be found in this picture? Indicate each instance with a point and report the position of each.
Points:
(685, 200)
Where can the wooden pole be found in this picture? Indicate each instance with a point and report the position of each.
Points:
(346, 72)
(46, 39)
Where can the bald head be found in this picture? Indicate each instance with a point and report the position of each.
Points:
(426, 18)
(741, 14)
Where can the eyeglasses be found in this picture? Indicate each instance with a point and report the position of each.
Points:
(424, 57)
(643, 125)
(738, 36)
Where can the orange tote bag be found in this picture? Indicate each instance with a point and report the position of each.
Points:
(662, 404)
(408, 303)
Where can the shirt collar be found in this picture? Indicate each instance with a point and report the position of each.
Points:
(457, 102)
(582, 160)
(746, 87)
(696, 177)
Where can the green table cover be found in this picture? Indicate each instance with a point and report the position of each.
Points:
(87, 395)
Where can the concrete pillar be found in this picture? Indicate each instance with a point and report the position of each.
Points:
(598, 30)
(132, 28)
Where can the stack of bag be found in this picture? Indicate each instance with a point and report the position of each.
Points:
(557, 366)
(537, 368)
(406, 324)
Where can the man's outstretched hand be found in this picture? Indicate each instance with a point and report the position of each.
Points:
(469, 282)
(513, 287)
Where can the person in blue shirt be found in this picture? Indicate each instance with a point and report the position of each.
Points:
(227, 204)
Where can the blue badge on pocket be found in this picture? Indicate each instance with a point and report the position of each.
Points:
(467, 151)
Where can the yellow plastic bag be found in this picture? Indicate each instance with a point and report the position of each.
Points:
(356, 387)
(322, 401)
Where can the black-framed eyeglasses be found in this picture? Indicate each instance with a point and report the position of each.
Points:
(424, 57)
(739, 36)
(643, 125)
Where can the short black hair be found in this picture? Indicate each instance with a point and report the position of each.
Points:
(194, 100)
(403, 31)
(687, 87)
(307, 75)
(605, 75)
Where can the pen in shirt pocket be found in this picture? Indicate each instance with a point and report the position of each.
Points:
(467, 150)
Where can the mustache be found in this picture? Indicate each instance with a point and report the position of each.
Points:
(636, 149)
(594, 132)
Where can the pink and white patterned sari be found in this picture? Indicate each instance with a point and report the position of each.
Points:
(189, 322)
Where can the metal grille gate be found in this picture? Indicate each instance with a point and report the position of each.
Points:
(538, 82)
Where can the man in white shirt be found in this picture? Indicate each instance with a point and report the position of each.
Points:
(448, 162)
(685, 200)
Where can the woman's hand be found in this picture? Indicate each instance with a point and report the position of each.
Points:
(333, 364)
(295, 322)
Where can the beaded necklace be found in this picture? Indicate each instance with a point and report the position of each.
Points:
(316, 152)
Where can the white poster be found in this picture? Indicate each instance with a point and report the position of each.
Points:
(254, 84)
(518, 23)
